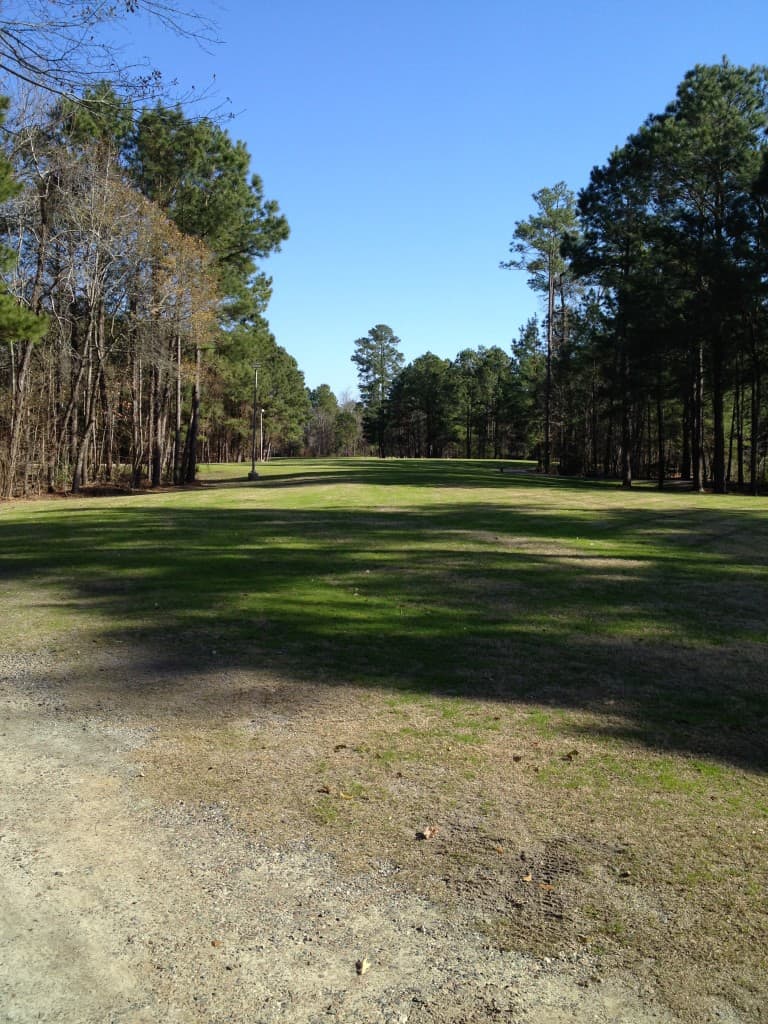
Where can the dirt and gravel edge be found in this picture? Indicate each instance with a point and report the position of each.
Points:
(118, 906)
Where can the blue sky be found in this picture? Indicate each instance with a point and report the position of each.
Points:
(404, 140)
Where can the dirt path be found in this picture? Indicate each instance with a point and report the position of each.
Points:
(120, 906)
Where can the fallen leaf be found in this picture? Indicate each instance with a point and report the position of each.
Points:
(428, 833)
(517, 757)
(363, 965)
(499, 849)
(570, 755)
(528, 877)
(345, 796)
(324, 789)
(340, 746)
(546, 886)
(215, 942)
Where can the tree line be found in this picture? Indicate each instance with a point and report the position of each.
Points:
(650, 357)
(482, 404)
(133, 333)
(132, 301)
(133, 242)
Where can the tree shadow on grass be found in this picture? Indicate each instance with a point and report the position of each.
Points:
(652, 619)
(460, 473)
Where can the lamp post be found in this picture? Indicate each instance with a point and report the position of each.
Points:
(261, 434)
(253, 475)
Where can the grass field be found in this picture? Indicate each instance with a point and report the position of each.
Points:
(570, 681)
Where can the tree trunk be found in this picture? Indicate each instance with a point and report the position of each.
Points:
(109, 425)
(80, 473)
(754, 460)
(190, 454)
(18, 410)
(718, 403)
(20, 375)
(608, 449)
(740, 437)
(548, 377)
(626, 424)
(685, 454)
(137, 424)
(177, 451)
(697, 422)
(731, 435)
(661, 438)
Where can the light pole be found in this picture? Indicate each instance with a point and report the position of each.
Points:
(261, 434)
(253, 475)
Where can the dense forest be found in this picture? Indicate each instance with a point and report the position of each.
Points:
(650, 355)
(132, 316)
(133, 239)
(133, 322)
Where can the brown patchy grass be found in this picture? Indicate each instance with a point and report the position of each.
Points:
(555, 839)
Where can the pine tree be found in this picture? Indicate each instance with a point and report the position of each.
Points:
(378, 362)
(537, 249)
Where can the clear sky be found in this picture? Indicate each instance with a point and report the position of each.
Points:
(403, 140)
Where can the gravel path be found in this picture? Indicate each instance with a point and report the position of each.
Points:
(119, 907)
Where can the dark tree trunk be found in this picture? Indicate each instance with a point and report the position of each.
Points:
(190, 454)
(177, 451)
(697, 423)
(754, 454)
(740, 437)
(546, 455)
(661, 437)
(626, 424)
(718, 403)
(685, 455)
(731, 435)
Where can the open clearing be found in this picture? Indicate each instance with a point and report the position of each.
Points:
(228, 712)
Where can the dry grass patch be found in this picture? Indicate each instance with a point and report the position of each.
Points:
(556, 841)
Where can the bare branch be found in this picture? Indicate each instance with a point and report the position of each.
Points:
(62, 47)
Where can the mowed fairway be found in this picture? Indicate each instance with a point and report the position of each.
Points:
(569, 682)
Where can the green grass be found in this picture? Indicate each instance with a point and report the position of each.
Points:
(440, 578)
